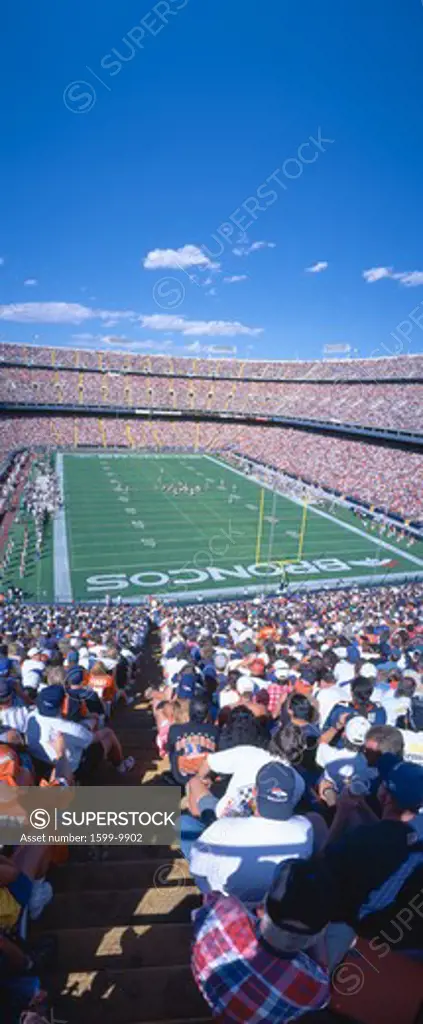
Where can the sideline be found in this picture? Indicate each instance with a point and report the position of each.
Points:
(61, 571)
(325, 515)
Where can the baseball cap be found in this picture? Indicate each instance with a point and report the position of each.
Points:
(75, 676)
(72, 657)
(50, 700)
(245, 684)
(279, 788)
(220, 660)
(186, 685)
(368, 671)
(281, 669)
(404, 780)
(296, 908)
(33, 651)
(356, 730)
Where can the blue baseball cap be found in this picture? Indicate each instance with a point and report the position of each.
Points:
(75, 676)
(50, 699)
(72, 657)
(186, 686)
(404, 780)
(279, 789)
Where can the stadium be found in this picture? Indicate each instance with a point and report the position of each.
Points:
(187, 478)
(212, 572)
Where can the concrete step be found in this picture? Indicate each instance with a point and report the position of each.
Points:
(114, 875)
(130, 906)
(127, 996)
(90, 949)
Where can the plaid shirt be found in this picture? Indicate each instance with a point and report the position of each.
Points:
(275, 691)
(242, 979)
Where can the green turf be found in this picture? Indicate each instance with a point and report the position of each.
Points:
(166, 534)
(126, 537)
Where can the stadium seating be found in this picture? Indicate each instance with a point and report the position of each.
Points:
(386, 477)
(364, 393)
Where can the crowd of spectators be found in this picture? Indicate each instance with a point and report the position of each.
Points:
(61, 671)
(388, 478)
(375, 368)
(382, 405)
(295, 727)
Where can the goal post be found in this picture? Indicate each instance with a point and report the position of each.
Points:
(272, 555)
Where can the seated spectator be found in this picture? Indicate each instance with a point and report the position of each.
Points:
(252, 969)
(188, 744)
(360, 704)
(346, 766)
(237, 856)
(85, 750)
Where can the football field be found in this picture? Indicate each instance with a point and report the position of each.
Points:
(136, 525)
(183, 526)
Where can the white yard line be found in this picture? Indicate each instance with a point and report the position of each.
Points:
(326, 515)
(61, 570)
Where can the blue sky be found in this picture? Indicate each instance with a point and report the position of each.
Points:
(134, 134)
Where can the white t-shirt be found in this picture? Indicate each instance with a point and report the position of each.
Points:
(238, 856)
(394, 706)
(413, 746)
(42, 731)
(32, 665)
(344, 671)
(15, 717)
(242, 764)
(326, 698)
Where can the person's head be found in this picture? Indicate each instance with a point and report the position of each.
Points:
(245, 687)
(74, 677)
(278, 790)
(288, 743)
(198, 709)
(326, 679)
(383, 739)
(300, 709)
(241, 728)
(355, 732)
(56, 675)
(401, 791)
(296, 908)
(361, 691)
(406, 687)
(50, 700)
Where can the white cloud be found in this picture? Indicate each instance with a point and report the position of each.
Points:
(178, 259)
(234, 278)
(74, 313)
(409, 278)
(224, 328)
(316, 268)
(211, 291)
(60, 313)
(376, 274)
(30, 282)
(244, 250)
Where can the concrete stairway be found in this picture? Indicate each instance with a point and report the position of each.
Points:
(121, 915)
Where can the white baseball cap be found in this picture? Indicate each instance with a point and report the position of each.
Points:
(356, 730)
(245, 684)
